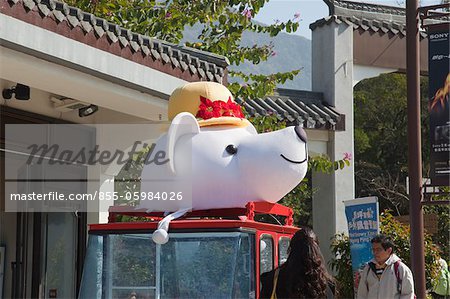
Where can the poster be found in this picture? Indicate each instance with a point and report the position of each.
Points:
(439, 85)
(363, 225)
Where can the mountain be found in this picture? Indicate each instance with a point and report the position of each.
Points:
(292, 52)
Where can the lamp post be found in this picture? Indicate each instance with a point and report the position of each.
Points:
(414, 147)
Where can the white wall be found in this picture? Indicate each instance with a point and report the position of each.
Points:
(361, 72)
(332, 74)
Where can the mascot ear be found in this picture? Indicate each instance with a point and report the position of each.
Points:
(184, 123)
(251, 129)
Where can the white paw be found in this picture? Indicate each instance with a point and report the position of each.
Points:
(160, 236)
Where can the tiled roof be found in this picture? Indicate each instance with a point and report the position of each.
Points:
(366, 16)
(184, 62)
(297, 107)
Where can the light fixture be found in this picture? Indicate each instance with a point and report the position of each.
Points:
(22, 92)
(65, 104)
(86, 111)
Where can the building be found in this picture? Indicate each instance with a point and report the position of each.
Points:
(63, 54)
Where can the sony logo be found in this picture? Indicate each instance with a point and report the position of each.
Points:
(438, 35)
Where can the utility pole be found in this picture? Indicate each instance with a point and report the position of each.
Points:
(414, 147)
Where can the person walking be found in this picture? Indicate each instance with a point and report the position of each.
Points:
(441, 286)
(303, 275)
(385, 276)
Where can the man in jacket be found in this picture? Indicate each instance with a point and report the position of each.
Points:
(385, 276)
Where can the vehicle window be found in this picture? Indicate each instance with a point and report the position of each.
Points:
(207, 266)
(190, 265)
(283, 245)
(266, 253)
(119, 266)
(132, 266)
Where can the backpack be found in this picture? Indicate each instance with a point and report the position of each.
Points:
(397, 275)
(442, 285)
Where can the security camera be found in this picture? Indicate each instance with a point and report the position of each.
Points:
(22, 92)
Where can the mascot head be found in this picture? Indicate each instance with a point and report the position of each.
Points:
(227, 163)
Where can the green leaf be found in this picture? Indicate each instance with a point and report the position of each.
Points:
(222, 19)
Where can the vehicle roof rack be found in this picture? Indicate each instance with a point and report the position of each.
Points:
(246, 214)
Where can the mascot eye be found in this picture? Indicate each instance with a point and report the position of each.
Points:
(231, 149)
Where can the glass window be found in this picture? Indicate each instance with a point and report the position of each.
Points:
(60, 249)
(206, 266)
(131, 267)
(283, 245)
(91, 281)
(190, 265)
(119, 266)
(266, 253)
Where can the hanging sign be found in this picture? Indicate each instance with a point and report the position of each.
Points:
(439, 85)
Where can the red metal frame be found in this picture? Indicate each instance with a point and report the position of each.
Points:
(213, 219)
(196, 224)
(276, 236)
(250, 210)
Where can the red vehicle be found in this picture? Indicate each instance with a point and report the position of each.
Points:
(210, 254)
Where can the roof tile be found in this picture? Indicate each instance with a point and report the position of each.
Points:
(87, 27)
(122, 35)
(184, 65)
(86, 22)
(155, 53)
(192, 69)
(199, 63)
(296, 108)
(291, 111)
(99, 32)
(366, 16)
(29, 4)
(299, 110)
(111, 37)
(43, 9)
(134, 41)
(173, 59)
(164, 55)
(201, 72)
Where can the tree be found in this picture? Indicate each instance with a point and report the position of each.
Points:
(381, 145)
(222, 22)
(442, 237)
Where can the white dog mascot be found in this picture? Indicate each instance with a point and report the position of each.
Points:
(215, 154)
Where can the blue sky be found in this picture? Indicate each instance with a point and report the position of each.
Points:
(310, 11)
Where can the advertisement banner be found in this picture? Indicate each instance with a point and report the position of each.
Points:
(439, 86)
(363, 225)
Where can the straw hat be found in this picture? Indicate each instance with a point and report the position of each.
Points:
(210, 102)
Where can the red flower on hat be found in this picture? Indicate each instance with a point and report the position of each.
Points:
(232, 109)
(209, 109)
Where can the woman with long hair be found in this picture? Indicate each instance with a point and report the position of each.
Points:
(303, 275)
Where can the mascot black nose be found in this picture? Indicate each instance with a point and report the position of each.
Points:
(301, 133)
